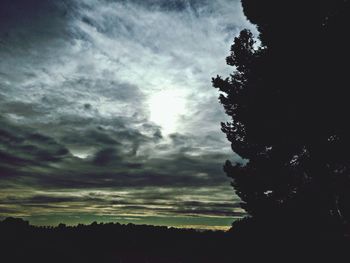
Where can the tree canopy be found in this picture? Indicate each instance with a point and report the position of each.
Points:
(288, 103)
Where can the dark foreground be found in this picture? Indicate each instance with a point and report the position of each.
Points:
(21, 242)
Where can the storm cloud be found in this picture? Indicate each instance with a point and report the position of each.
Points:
(78, 134)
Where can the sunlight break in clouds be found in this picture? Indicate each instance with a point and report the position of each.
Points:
(115, 95)
(166, 108)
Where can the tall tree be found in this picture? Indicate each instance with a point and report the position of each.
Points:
(288, 107)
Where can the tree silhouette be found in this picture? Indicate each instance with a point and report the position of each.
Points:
(110, 242)
(287, 99)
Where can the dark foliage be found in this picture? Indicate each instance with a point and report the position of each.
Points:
(289, 107)
(113, 242)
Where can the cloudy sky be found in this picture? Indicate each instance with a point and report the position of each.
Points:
(107, 111)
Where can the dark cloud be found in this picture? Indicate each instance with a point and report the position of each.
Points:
(24, 20)
(106, 156)
(101, 137)
(134, 202)
(16, 11)
(26, 147)
(21, 108)
(76, 79)
(36, 199)
(173, 5)
(113, 165)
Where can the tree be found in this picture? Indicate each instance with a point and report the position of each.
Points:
(287, 100)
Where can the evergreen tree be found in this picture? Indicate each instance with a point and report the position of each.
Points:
(287, 120)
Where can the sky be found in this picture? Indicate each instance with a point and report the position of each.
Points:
(107, 112)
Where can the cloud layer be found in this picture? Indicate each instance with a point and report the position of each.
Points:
(78, 131)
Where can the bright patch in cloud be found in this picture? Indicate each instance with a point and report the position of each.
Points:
(115, 94)
(166, 108)
(80, 154)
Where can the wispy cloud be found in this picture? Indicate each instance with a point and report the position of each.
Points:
(76, 82)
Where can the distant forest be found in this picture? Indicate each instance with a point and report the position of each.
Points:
(248, 240)
(112, 242)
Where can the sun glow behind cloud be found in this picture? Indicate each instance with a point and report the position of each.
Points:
(166, 108)
(116, 94)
